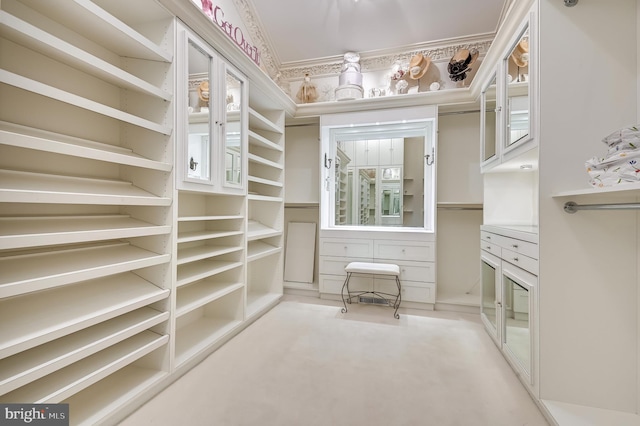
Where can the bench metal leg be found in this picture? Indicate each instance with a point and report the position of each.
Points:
(398, 299)
(345, 285)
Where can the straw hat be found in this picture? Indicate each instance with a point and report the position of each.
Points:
(203, 91)
(520, 55)
(418, 66)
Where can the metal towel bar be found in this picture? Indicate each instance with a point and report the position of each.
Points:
(571, 207)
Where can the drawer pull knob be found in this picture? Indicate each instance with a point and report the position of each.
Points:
(514, 246)
(488, 247)
(515, 259)
(488, 237)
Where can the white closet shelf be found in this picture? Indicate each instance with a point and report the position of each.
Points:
(36, 231)
(263, 181)
(259, 249)
(632, 189)
(44, 270)
(259, 140)
(258, 197)
(257, 230)
(198, 336)
(197, 295)
(193, 254)
(42, 89)
(195, 271)
(104, 398)
(28, 366)
(259, 121)
(87, 18)
(185, 237)
(201, 218)
(27, 187)
(41, 140)
(69, 309)
(260, 160)
(32, 37)
(62, 384)
(256, 302)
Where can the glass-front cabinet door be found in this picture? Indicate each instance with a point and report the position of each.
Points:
(488, 122)
(517, 308)
(233, 127)
(490, 270)
(518, 93)
(211, 119)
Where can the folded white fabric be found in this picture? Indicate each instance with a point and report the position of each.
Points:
(622, 161)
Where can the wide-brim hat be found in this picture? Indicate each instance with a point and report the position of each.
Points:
(520, 55)
(418, 66)
(461, 61)
(203, 91)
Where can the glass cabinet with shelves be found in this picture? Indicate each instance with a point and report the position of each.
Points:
(212, 116)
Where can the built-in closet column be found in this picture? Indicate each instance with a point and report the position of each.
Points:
(86, 188)
(265, 225)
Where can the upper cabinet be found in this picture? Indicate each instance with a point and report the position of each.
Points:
(508, 105)
(212, 119)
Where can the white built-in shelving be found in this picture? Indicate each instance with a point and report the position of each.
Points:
(210, 278)
(265, 222)
(86, 189)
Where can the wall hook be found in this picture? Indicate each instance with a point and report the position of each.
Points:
(327, 162)
(430, 158)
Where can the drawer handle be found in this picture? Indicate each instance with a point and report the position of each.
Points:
(488, 237)
(515, 259)
(488, 247)
(514, 246)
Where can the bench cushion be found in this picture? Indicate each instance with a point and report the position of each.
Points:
(373, 268)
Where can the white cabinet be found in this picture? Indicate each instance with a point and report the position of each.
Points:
(509, 268)
(212, 119)
(508, 104)
(416, 259)
(86, 189)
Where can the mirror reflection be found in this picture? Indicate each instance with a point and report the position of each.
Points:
(488, 306)
(378, 181)
(518, 91)
(517, 334)
(199, 142)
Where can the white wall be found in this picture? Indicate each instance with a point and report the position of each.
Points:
(589, 260)
(302, 163)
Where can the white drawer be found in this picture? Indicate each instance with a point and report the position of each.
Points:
(423, 272)
(335, 265)
(525, 262)
(491, 248)
(410, 293)
(404, 250)
(523, 247)
(346, 247)
(333, 285)
(491, 238)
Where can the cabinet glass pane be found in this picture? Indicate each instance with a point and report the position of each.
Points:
(233, 129)
(488, 307)
(198, 156)
(489, 121)
(517, 68)
(517, 333)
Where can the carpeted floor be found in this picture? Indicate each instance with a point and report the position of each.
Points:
(309, 364)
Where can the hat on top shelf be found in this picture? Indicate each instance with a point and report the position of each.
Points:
(520, 55)
(418, 66)
(460, 63)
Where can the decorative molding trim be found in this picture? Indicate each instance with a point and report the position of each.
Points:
(371, 63)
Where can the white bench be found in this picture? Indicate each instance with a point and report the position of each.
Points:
(372, 269)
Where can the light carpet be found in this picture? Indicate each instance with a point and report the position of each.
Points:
(309, 364)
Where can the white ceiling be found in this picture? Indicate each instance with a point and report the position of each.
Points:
(306, 30)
